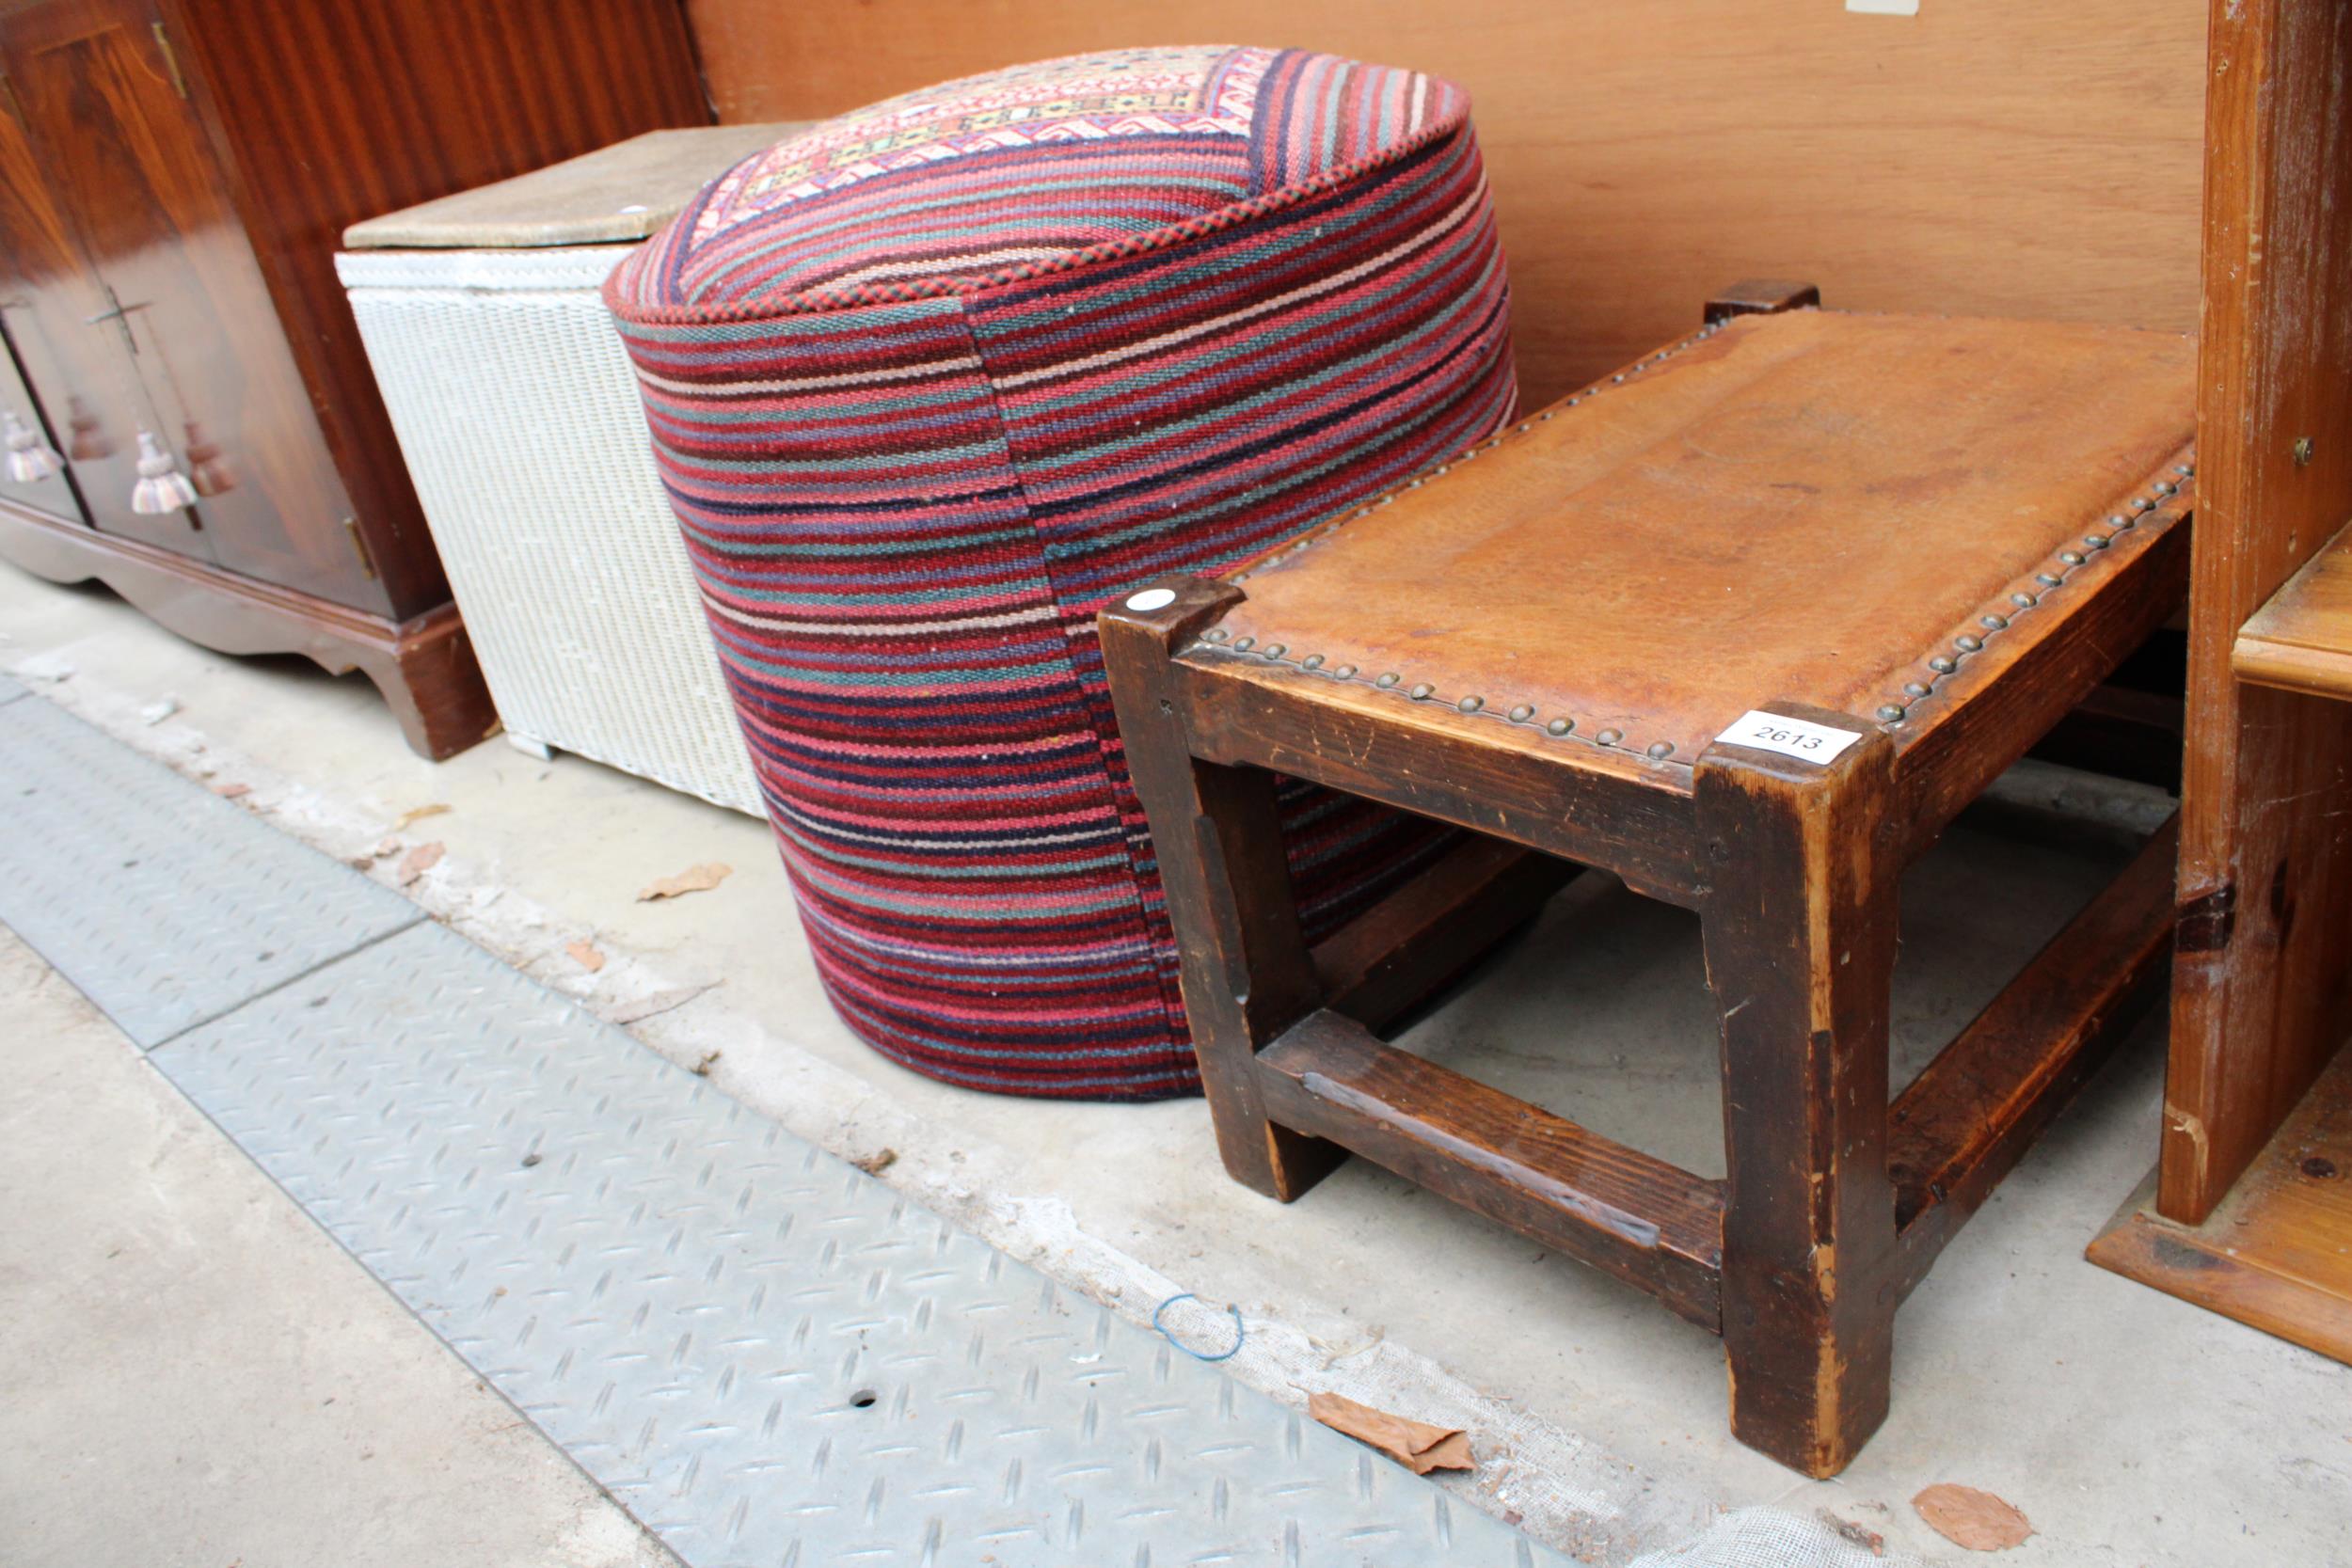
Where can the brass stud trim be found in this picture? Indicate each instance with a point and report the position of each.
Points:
(1521, 715)
(1941, 665)
(2069, 560)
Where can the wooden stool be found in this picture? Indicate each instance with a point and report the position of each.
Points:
(1746, 625)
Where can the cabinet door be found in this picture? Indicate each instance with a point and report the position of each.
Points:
(52, 493)
(82, 379)
(128, 161)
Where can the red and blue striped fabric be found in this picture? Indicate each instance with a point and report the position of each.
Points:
(932, 383)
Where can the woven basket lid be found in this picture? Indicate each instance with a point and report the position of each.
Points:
(614, 196)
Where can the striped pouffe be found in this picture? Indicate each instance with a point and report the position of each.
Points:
(932, 382)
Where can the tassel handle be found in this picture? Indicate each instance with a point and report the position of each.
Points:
(31, 459)
(162, 486)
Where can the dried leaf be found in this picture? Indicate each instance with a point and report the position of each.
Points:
(584, 954)
(231, 791)
(383, 847)
(417, 861)
(1967, 1517)
(694, 879)
(877, 1161)
(710, 1060)
(1416, 1444)
(416, 814)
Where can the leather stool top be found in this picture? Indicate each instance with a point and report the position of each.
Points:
(1816, 507)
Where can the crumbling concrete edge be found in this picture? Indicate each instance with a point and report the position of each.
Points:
(1561, 1488)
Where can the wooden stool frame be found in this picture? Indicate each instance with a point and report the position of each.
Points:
(1835, 1203)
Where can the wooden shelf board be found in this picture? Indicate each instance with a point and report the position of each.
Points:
(2277, 1254)
(2302, 641)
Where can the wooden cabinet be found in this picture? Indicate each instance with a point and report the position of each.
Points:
(177, 176)
(2251, 1210)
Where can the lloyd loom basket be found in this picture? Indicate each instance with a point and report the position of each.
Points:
(929, 383)
(517, 416)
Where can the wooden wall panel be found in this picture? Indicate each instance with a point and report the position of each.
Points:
(2007, 157)
(2263, 982)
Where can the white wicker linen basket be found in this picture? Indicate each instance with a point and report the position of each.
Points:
(517, 415)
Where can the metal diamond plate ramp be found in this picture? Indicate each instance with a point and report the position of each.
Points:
(164, 904)
(768, 1357)
(9, 690)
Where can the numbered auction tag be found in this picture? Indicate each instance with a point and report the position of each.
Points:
(1791, 738)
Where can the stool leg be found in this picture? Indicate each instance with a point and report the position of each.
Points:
(1801, 936)
(1216, 833)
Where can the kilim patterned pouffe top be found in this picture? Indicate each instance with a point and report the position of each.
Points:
(932, 382)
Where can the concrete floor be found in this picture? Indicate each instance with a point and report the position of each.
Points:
(199, 1376)
(2131, 1428)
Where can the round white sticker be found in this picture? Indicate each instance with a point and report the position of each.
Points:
(1152, 598)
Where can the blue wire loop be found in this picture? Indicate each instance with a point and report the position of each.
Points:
(1239, 1333)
